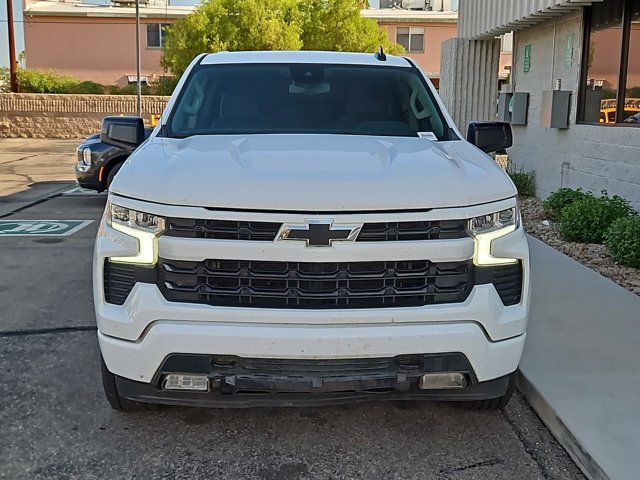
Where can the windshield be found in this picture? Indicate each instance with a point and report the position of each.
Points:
(305, 98)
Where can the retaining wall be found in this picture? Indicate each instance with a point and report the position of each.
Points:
(33, 115)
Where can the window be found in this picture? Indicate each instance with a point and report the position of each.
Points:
(611, 63)
(411, 38)
(305, 98)
(156, 34)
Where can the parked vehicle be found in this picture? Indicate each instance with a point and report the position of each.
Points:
(98, 162)
(608, 110)
(309, 228)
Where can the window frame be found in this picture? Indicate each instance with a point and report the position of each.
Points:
(410, 28)
(160, 39)
(622, 72)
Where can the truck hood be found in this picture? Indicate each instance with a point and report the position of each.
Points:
(328, 173)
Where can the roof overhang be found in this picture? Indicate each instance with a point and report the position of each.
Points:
(482, 19)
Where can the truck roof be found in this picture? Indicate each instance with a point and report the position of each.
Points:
(342, 58)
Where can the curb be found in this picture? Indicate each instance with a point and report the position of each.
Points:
(559, 429)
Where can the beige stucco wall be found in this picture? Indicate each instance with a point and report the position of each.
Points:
(27, 115)
(434, 35)
(102, 49)
(98, 49)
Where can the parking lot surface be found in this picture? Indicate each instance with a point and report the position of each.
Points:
(56, 423)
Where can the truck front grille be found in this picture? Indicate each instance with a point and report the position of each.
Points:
(240, 283)
(262, 284)
(222, 229)
(267, 231)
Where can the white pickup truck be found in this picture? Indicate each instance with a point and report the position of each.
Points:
(305, 228)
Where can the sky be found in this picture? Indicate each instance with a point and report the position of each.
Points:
(4, 39)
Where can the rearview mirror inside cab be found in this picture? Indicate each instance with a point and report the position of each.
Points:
(490, 136)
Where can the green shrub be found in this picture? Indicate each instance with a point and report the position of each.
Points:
(88, 87)
(587, 220)
(34, 81)
(561, 198)
(131, 89)
(524, 181)
(623, 241)
(5, 80)
(164, 85)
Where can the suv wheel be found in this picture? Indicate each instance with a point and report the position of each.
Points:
(492, 403)
(115, 400)
(112, 173)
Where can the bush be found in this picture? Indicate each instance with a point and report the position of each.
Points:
(524, 181)
(164, 85)
(623, 241)
(131, 89)
(561, 198)
(88, 87)
(34, 81)
(5, 80)
(587, 220)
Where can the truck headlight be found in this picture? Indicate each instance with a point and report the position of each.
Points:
(486, 228)
(145, 227)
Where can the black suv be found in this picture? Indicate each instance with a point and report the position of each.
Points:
(99, 162)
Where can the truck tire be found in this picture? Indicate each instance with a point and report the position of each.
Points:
(115, 400)
(112, 173)
(492, 403)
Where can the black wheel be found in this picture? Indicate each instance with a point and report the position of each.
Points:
(112, 173)
(115, 400)
(492, 403)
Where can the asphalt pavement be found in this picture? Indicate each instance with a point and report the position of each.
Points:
(55, 422)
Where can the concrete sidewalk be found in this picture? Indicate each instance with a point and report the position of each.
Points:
(581, 365)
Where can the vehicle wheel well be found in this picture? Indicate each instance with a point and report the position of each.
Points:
(109, 166)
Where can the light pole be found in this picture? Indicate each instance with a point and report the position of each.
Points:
(138, 82)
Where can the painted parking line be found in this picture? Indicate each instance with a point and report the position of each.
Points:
(79, 191)
(48, 228)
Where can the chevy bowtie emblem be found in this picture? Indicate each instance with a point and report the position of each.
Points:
(318, 233)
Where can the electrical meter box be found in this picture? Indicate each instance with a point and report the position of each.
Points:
(554, 112)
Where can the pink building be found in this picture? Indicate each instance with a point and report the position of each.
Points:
(96, 42)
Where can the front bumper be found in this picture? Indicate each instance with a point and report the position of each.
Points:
(136, 337)
(237, 382)
(87, 177)
(141, 359)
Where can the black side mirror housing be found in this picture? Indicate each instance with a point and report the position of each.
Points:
(490, 136)
(123, 132)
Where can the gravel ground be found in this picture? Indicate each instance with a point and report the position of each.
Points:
(592, 255)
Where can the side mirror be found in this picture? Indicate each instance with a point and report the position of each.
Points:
(123, 132)
(490, 136)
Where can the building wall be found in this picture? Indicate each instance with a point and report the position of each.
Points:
(98, 49)
(594, 157)
(434, 35)
(101, 49)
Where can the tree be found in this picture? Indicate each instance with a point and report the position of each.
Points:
(230, 25)
(337, 25)
(233, 25)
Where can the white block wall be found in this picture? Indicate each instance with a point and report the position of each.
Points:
(469, 79)
(596, 157)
